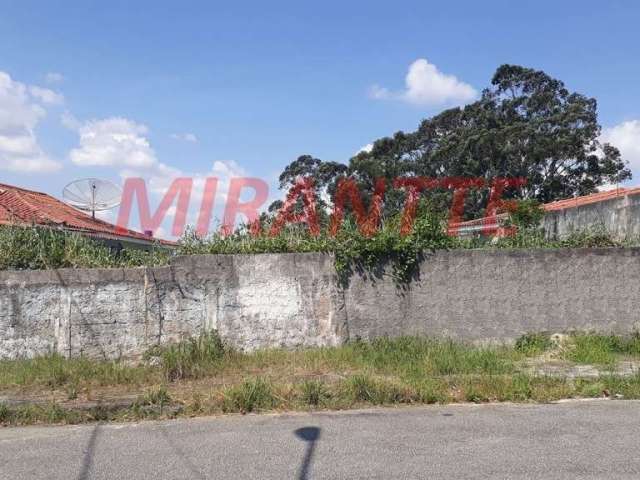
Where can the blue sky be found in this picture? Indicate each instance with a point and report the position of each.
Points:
(245, 87)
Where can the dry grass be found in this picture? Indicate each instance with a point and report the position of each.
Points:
(202, 377)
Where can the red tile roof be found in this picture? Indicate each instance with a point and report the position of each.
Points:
(19, 206)
(593, 198)
(491, 224)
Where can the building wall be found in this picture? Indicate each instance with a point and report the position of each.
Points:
(291, 300)
(620, 216)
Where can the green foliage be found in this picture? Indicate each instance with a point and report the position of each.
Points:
(38, 248)
(384, 371)
(526, 124)
(314, 392)
(155, 397)
(526, 214)
(366, 389)
(413, 357)
(532, 237)
(251, 395)
(601, 349)
(533, 343)
(353, 251)
(55, 371)
(190, 358)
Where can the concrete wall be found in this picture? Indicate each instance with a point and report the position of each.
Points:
(294, 300)
(620, 216)
(253, 301)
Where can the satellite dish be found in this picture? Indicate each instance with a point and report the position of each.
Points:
(92, 195)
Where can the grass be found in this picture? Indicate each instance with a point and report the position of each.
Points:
(45, 248)
(39, 248)
(602, 349)
(250, 396)
(203, 376)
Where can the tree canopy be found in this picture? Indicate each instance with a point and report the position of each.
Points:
(526, 124)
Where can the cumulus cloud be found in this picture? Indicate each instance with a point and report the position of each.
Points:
(425, 85)
(46, 96)
(626, 137)
(53, 77)
(114, 141)
(21, 110)
(185, 137)
(123, 144)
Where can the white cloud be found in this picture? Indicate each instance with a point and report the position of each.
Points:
(626, 137)
(20, 113)
(367, 148)
(428, 86)
(53, 77)
(46, 96)
(160, 177)
(123, 144)
(185, 137)
(112, 142)
(380, 93)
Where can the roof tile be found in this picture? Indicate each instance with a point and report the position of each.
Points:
(19, 206)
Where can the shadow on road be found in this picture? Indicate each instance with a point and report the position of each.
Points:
(310, 436)
(87, 461)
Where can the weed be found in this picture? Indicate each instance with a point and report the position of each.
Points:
(156, 397)
(251, 395)
(28, 248)
(314, 392)
(594, 349)
(533, 343)
(190, 358)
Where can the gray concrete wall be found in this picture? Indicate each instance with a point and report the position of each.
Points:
(290, 300)
(619, 216)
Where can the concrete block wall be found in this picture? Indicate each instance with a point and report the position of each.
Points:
(620, 216)
(291, 300)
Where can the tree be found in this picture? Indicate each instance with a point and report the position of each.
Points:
(525, 125)
(324, 174)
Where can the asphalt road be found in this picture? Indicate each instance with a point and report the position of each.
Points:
(564, 441)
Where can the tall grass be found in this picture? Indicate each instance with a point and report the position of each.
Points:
(203, 375)
(191, 358)
(601, 349)
(39, 248)
(55, 371)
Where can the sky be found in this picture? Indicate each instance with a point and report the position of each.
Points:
(165, 89)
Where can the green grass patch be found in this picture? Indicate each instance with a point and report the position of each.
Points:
(205, 376)
(192, 358)
(250, 396)
(533, 343)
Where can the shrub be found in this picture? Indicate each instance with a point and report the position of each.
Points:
(39, 248)
(363, 388)
(189, 358)
(594, 349)
(156, 397)
(526, 214)
(5, 413)
(314, 392)
(252, 395)
(533, 343)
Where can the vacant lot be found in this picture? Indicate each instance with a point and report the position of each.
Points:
(203, 376)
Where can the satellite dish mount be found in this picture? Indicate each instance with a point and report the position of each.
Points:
(92, 195)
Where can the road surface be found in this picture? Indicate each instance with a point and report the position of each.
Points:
(599, 439)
